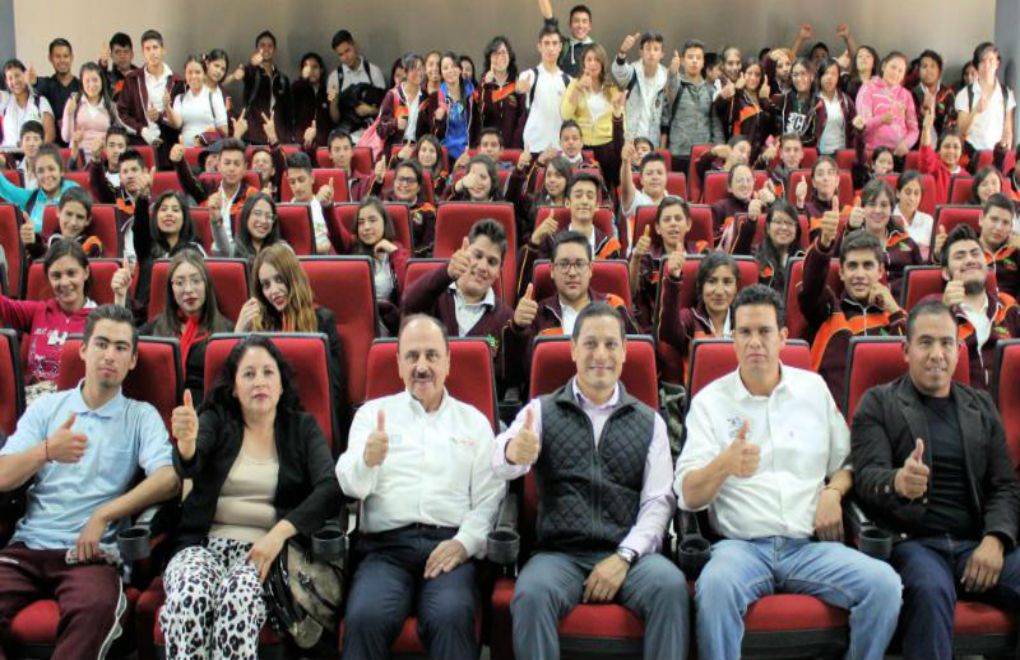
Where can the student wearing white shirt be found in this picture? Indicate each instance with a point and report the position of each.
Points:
(917, 223)
(20, 104)
(645, 82)
(601, 521)
(302, 186)
(985, 107)
(543, 87)
(766, 455)
(197, 109)
(419, 462)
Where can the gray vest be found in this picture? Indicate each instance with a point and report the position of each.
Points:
(589, 497)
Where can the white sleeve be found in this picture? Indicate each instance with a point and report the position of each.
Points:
(219, 109)
(700, 449)
(356, 478)
(839, 435)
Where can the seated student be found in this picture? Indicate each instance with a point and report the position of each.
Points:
(582, 200)
(74, 214)
(691, 119)
(133, 181)
(499, 104)
(191, 315)
(987, 182)
(672, 222)
(462, 295)
(258, 227)
(954, 488)
(943, 164)
(724, 157)
(781, 242)
(766, 455)
(341, 150)
(917, 223)
(984, 314)
(1000, 243)
(20, 104)
(556, 175)
(282, 301)
(88, 114)
(199, 115)
(428, 153)
(646, 82)
(24, 163)
(598, 538)
(480, 182)
(110, 149)
(427, 506)
(790, 150)
(260, 470)
(653, 173)
(741, 198)
(49, 173)
(572, 146)
(875, 216)
(986, 106)
(823, 193)
(451, 113)
(61, 546)
(146, 97)
(409, 188)
(311, 101)
(490, 144)
(866, 308)
(375, 237)
(224, 199)
(302, 181)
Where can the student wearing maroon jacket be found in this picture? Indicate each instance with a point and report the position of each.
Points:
(375, 237)
(400, 108)
(1001, 244)
(834, 111)
(500, 106)
(451, 113)
(740, 195)
(874, 215)
(116, 60)
(930, 92)
(311, 103)
(265, 91)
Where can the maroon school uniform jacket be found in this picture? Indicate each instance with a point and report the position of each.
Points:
(394, 106)
(606, 247)
(310, 104)
(849, 112)
(132, 103)
(501, 107)
(680, 326)
(649, 272)
(724, 213)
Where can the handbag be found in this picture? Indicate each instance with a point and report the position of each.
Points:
(304, 595)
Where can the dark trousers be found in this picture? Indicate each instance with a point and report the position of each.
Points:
(91, 599)
(388, 587)
(931, 569)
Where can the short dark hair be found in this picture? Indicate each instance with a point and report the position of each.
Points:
(861, 239)
(650, 36)
(338, 134)
(931, 55)
(410, 318)
(598, 310)
(652, 157)
(120, 39)
(790, 137)
(58, 43)
(583, 177)
(493, 231)
(693, 43)
(231, 144)
(962, 232)
(708, 264)
(53, 151)
(341, 37)
(311, 55)
(998, 201)
(569, 123)
(672, 200)
(491, 130)
(221, 396)
(115, 129)
(264, 34)
(32, 126)
(299, 160)
(152, 35)
(571, 236)
(78, 195)
(908, 177)
(549, 30)
(979, 52)
(129, 155)
(928, 308)
(760, 294)
(580, 9)
(115, 313)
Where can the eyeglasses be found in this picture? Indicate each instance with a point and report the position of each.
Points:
(406, 180)
(184, 282)
(565, 265)
(263, 215)
(777, 222)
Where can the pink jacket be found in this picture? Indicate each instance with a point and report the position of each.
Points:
(48, 327)
(874, 100)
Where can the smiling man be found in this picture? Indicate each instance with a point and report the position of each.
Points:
(602, 467)
(80, 449)
(766, 455)
(866, 307)
(419, 463)
(1002, 246)
(949, 494)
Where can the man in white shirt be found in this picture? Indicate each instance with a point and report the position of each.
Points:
(602, 512)
(356, 88)
(302, 186)
(985, 108)
(543, 87)
(645, 81)
(419, 462)
(766, 455)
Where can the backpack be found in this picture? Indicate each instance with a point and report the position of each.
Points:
(534, 84)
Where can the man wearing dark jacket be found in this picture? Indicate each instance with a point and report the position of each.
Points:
(950, 496)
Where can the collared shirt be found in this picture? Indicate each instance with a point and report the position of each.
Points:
(14, 115)
(568, 316)
(382, 274)
(987, 126)
(469, 314)
(123, 435)
(156, 86)
(589, 232)
(321, 234)
(436, 470)
(657, 502)
(833, 138)
(803, 440)
(979, 319)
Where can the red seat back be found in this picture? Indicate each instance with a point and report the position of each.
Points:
(607, 276)
(927, 189)
(445, 157)
(320, 177)
(471, 378)
(307, 355)
(961, 189)
(500, 187)
(419, 268)
(1007, 393)
(845, 159)
(714, 358)
(100, 277)
(157, 377)
(715, 185)
(951, 216)
(810, 157)
(694, 182)
(506, 156)
(213, 180)
(104, 227)
(876, 360)
(14, 176)
(759, 231)
(919, 282)
(604, 218)
(346, 213)
(427, 189)
(676, 183)
(10, 239)
(912, 162)
(552, 367)
(353, 305)
(229, 279)
(203, 226)
(845, 187)
(454, 221)
(12, 391)
(191, 155)
(701, 222)
(795, 322)
(79, 177)
(164, 181)
(296, 227)
(987, 157)
(147, 153)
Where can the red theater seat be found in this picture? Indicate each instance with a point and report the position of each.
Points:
(345, 214)
(845, 187)
(101, 275)
(714, 358)
(951, 216)
(454, 221)
(701, 223)
(296, 227)
(12, 386)
(796, 324)
(321, 176)
(104, 227)
(694, 182)
(604, 218)
(607, 276)
(229, 278)
(10, 239)
(716, 186)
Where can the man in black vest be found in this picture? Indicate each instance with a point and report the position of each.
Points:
(932, 466)
(603, 469)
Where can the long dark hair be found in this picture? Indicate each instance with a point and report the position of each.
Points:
(768, 254)
(562, 166)
(168, 323)
(855, 75)
(389, 233)
(243, 245)
(221, 397)
(68, 247)
(188, 233)
(497, 41)
(104, 92)
(712, 261)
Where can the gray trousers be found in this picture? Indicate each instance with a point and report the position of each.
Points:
(551, 585)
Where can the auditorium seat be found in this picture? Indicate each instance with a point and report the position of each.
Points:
(320, 177)
(503, 175)
(14, 176)
(701, 223)
(229, 279)
(508, 155)
(920, 282)
(607, 276)
(552, 367)
(716, 357)
(845, 187)
(213, 181)
(949, 216)
(296, 227)
(427, 190)
(12, 385)
(203, 227)
(454, 221)
(104, 227)
(676, 182)
(845, 159)
(345, 214)
(163, 181)
(694, 182)
(101, 275)
(191, 155)
(986, 157)
(604, 218)
(10, 240)
(716, 185)
(796, 324)
(420, 267)
(927, 204)
(79, 177)
(759, 231)
(1007, 392)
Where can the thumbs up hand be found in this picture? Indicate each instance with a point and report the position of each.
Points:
(644, 244)
(460, 262)
(326, 192)
(523, 448)
(527, 309)
(940, 240)
(121, 283)
(184, 426)
(310, 134)
(742, 458)
(912, 479)
(65, 445)
(378, 443)
(27, 232)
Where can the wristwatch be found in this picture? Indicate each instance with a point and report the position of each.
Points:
(627, 555)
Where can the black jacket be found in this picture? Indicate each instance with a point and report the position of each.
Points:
(885, 429)
(307, 492)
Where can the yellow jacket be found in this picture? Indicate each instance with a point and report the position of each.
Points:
(594, 131)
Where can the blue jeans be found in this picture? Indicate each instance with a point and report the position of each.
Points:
(931, 569)
(742, 572)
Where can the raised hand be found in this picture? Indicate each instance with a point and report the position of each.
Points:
(800, 192)
(527, 309)
(860, 122)
(675, 263)
(545, 229)
(65, 445)
(953, 294)
(628, 42)
(643, 244)
(310, 133)
(742, 458)
(940, 240)
(177, 153)
(249, 311)
(184, 426)
(460, 262)
(378, 443)
(326, 192)
(240, 127)
(881, 296)
(524, 161)
(121, 282)
(256, 58)
(380, 170)
(269, 126)
(523, 448)
(27, 232)
(912, 479)
(674, 64)
(830, 224)
(151, 112)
